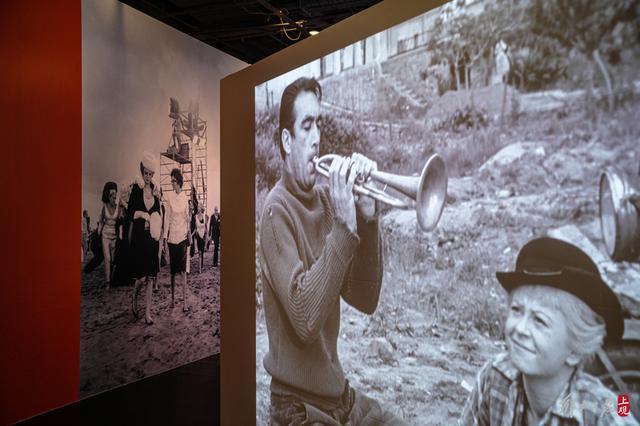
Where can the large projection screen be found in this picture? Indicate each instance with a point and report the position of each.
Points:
(525, 122)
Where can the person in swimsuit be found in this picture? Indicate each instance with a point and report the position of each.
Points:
(107, 227)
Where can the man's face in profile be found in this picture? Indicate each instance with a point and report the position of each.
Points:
(305, 139)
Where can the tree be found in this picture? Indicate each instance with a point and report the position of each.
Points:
(584, 25)
(536, 62)
(471, 36)
(449, 47)
(483, 31)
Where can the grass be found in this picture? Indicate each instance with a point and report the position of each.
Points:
(454, 286)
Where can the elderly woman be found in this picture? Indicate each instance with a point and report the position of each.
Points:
(560, 311)
(144, 214)
(176, 232)
(107, 227)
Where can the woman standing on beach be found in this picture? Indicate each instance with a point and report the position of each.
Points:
(107, 227)
(176, 233)
(146, 223)
(85, 234)
(201, 234)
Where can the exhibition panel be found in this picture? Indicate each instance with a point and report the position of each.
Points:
(481, 129)
(150, 197)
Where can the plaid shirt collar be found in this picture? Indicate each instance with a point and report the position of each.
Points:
(566, 406)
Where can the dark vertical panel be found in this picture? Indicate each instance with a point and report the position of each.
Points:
(40, 212)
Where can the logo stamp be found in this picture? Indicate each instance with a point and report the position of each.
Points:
(624, 408)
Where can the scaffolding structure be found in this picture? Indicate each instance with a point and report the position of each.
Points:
(187, 151)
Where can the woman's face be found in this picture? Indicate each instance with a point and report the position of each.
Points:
(174, 184)
(113, 196)
(537, 336)
(146, 175)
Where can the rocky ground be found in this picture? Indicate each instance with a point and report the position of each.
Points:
(441, 310)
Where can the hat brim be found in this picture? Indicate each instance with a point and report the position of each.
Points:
(587, 287)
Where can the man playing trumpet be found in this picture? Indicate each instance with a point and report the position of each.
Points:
(317, 244)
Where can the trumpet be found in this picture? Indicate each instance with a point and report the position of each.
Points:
(427, 192)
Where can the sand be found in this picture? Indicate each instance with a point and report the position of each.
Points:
(116, 348)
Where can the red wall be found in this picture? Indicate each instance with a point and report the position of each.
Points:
(40, 207)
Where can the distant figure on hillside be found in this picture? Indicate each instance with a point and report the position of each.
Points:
(503, 65)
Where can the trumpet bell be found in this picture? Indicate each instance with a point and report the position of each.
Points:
(431, 193)
(427, 192)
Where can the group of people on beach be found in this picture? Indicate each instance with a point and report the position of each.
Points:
(140, 229)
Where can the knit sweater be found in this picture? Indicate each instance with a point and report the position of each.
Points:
(309, 259)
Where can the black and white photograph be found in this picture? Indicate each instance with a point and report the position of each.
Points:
(448, 222)
(151, 219)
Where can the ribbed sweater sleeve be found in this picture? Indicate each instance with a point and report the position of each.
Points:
(364, 280)
(305, 294)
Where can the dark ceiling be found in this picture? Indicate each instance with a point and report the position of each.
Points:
(250, 30)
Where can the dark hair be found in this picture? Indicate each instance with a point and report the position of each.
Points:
(107, 189)
(289, 96)
(177, 174)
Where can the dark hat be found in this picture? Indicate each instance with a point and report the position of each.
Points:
(556, 263)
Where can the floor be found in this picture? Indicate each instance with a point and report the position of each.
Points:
(187, 395)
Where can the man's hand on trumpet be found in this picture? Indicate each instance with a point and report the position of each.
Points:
(341, 189)
(362, 167)
(343, 173)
